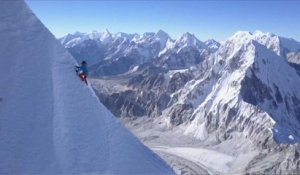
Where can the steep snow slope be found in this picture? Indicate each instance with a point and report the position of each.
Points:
(50, 122)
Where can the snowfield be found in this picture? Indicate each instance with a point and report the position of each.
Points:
(50, 121)
(212, 161)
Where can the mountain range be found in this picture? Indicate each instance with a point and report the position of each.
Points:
(243, 91)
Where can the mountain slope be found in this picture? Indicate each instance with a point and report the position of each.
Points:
(51, 123)
(243, 74)
(243, 100)
(250, 77)
(245, 96)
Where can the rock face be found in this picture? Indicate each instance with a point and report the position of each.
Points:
(249, 86)
(149, 92)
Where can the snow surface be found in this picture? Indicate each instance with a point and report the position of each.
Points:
(50, 121)
(277, 44)
(213, 161)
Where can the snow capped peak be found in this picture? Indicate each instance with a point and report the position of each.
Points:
(241, 36)
(211, 41)
(69, 37)
(94, 35)
(144, 38)
(188, 39)
(212, 44)
(162, 34)
(260, 33)
(263, 36)
(236, 42)
(187, 36)
(149, 38)
(77, 33)
(269, 40)
(163, 37)
(136, 38)
(123, 35)
(106, 37)
(280, 45)
(148, 34)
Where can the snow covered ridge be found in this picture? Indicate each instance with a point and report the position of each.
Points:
(120, 51)
(278, 44)
(130, 50)
(50, 122)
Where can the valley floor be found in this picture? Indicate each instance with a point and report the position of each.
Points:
(180, 164)
(188, 160)
(189, 156)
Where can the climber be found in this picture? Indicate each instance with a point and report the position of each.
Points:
(82, 71)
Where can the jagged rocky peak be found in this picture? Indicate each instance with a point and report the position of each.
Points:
(94, 35)
(145, 38)
(148, 34)
(188, 39)
(240, 37)
(242, 34)
(212, 44)
(263, 34)
(77, 33)
(160, 33)
(163, 37)
(64, 40)
(106, 36)
(124, 35)
(234, 44)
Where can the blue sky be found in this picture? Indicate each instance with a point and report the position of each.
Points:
(206, 19)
